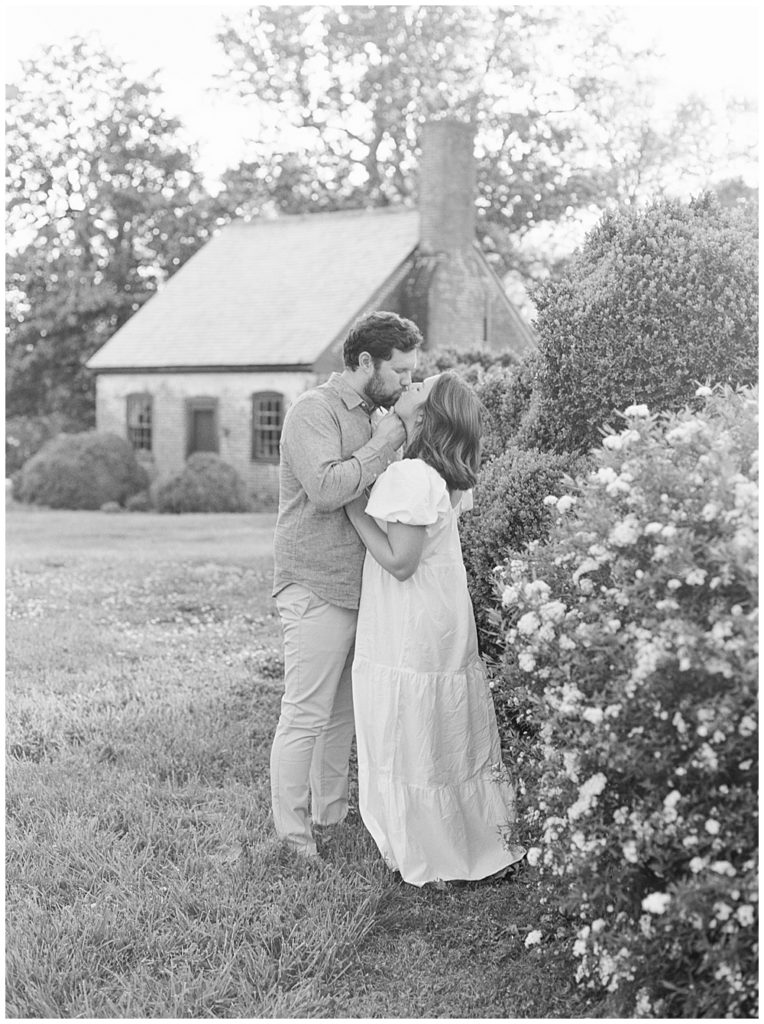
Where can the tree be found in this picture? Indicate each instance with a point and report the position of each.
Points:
(103, 204)
(557, 98)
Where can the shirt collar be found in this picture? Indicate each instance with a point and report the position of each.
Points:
(349, 395)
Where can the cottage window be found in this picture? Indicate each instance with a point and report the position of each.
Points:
(139, 421)
(267, 418)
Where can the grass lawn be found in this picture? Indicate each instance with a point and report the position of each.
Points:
(143, 880)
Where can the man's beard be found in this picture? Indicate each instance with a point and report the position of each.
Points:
(376, 393)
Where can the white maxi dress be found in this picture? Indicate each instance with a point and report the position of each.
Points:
(433, 790)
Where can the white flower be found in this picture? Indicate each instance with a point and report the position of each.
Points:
(537, 590)
(712, 826)
(656, 902)
(674, 584)
(533, 856)
(533, 938)
(683, 432)
(587, 793)
(643, 1006)
(695, 577)
(593, 715)
(624, 533)
(651, 528)
(747, 726)
(606, 475)
(722, 911)
(570, 761)
(723, 867)
(553, 611)
(745, 915)
(672, 799)
(637, 410)
(710, 511)
(509, 596)
(630, 851)
(551, 499)
(661, 552)
(528, 623)
(697, 864)
(703, 392)
(613, 442)
(679, 723)
(565, 503)
(586, 587)
(587, 565)
(566, 644)
(526, 661)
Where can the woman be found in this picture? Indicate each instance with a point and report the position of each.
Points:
(433, 790)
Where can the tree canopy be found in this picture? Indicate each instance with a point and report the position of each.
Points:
(561, 101)
(103, 204)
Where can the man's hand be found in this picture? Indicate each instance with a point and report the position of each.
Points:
(390, 428)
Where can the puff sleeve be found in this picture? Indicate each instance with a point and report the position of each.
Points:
(466, 503)
(410, 492)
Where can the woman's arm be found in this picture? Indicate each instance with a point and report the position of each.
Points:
(399, 551)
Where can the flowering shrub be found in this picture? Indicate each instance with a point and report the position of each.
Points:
(655, 299)
(508, 512)
(631, 653)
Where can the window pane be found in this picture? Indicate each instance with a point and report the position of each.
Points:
(139, 409)
(267, 417)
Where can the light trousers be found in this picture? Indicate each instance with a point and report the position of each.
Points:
(311, 747)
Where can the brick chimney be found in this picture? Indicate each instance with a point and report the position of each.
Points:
(446, 294)
(447, 187)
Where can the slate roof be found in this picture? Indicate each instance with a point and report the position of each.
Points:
(265, 292)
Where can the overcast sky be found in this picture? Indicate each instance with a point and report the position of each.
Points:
(711, 49)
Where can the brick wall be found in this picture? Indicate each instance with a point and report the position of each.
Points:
(170, 391)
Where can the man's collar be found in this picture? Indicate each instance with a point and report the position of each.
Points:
(349, 395)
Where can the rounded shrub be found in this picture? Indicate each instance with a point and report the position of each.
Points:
(656, 300)
(631, 648)
(81, 471)
(508, 512)
(507, 394)
(206, 484)
(470, 361)
(140, 502)
(25, 435)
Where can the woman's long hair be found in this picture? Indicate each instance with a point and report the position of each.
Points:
(449, 430)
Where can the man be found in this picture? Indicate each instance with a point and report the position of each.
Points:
(334, 444)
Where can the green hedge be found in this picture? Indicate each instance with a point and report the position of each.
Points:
(81, 471)
(657, 300)
(205, 484)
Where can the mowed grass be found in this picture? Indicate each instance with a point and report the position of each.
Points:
(143, 880)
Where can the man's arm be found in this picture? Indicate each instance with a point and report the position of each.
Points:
(314, 446)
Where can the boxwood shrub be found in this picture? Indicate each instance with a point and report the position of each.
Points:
(630, 644)
(81, 471)
(205, 484)
(657, 300)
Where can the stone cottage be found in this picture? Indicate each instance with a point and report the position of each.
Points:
(259, 314)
